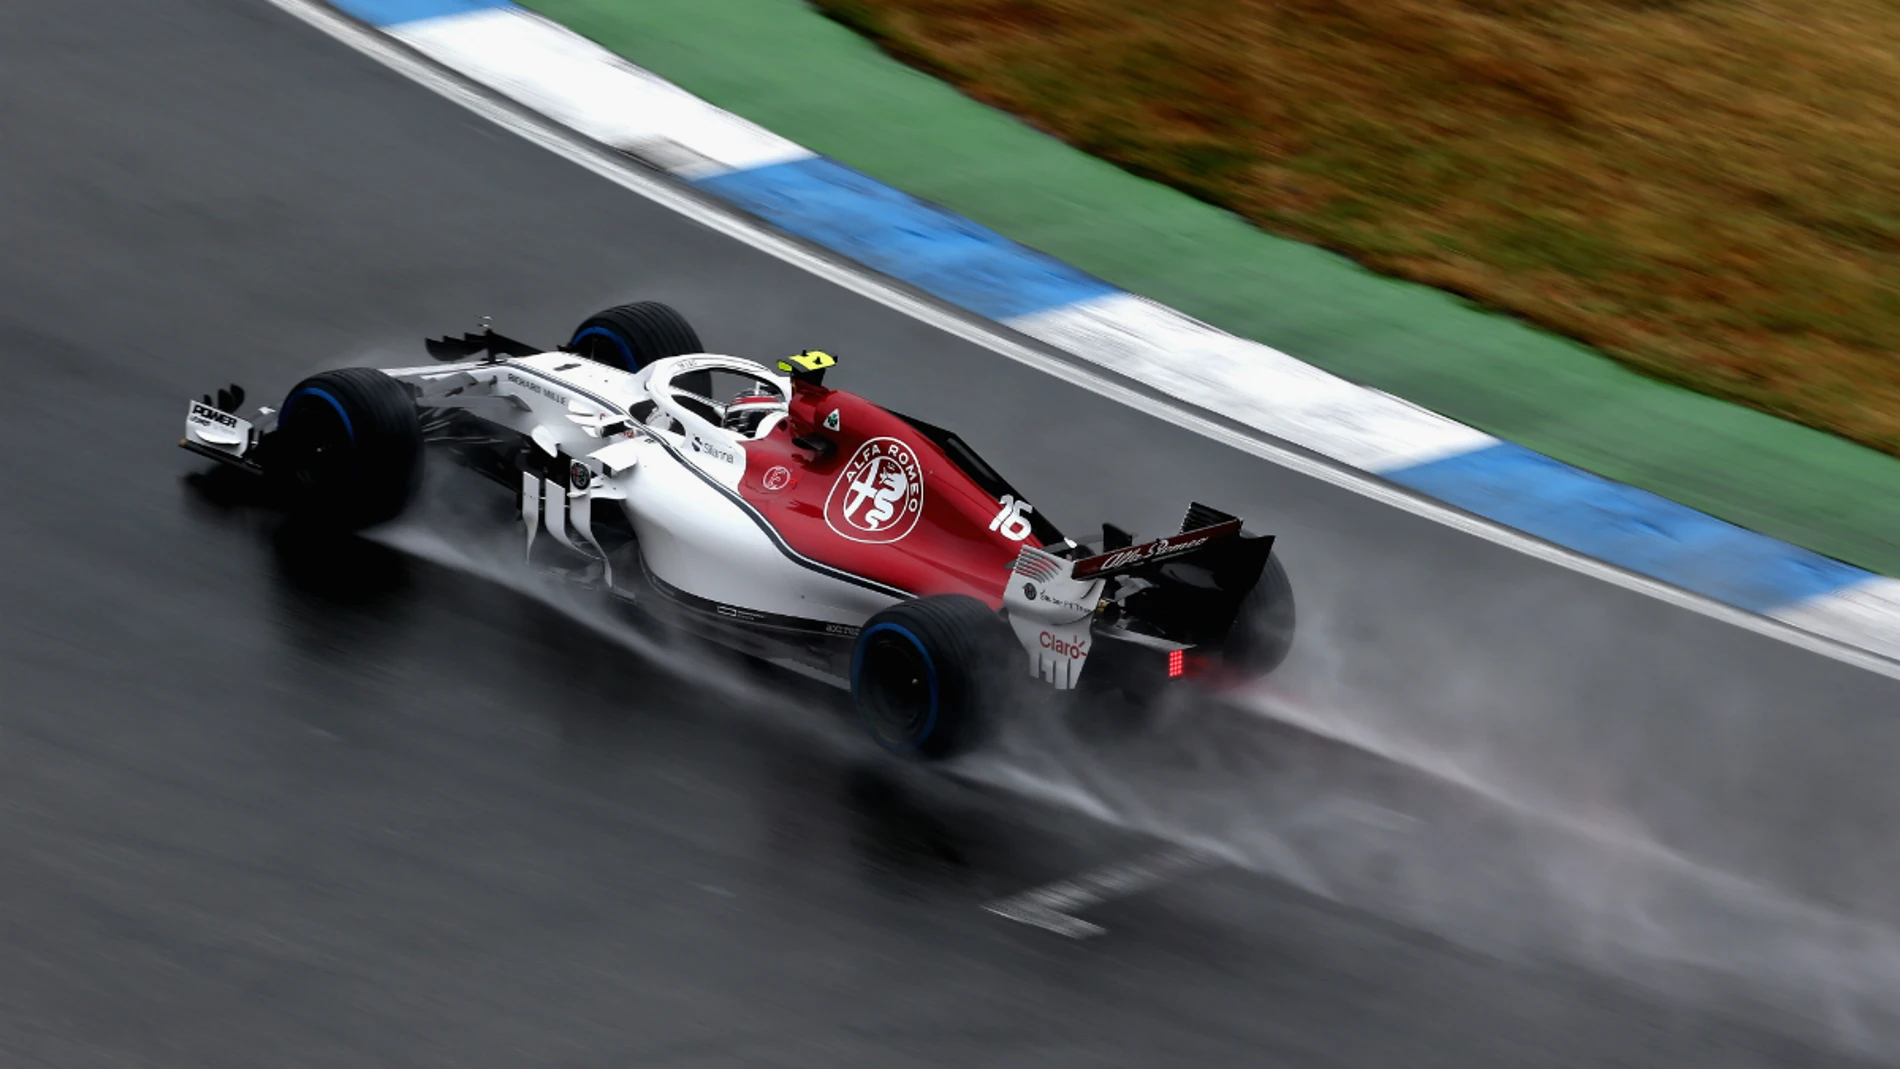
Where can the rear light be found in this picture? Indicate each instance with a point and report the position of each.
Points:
(1177, 663)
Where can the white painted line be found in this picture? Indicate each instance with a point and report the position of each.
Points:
(1866, 614)
(1048, 920)
(577, 83)
(744, 229)
(1251, 384)
(1052, 905)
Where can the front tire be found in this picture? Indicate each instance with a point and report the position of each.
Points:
(924, 672)
(632, 336)
(348, 448)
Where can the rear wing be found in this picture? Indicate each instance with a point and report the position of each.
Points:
(1211, 536)
(1195, 583)
(1131, 558)
(1196, 580)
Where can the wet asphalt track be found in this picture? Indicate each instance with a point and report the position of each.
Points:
(260, 806)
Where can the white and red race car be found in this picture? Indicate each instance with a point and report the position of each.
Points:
(776, 515)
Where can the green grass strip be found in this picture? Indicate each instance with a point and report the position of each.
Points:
(782, 65)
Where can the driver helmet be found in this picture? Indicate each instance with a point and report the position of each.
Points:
(748, 409)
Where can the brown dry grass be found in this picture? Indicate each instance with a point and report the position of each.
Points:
(1709, 190)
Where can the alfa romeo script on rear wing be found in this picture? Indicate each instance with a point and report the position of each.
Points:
(1120, 560)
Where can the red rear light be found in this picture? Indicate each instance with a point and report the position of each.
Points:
(1177, 663)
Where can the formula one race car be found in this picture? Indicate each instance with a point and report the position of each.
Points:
(777, 516)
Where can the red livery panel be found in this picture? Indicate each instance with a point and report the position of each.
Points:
(883, 501)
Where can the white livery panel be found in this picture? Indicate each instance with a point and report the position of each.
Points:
(702, 540)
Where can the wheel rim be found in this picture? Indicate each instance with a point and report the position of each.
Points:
(320, 440)
(897, 686)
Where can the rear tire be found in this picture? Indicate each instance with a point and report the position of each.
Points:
(348, 448)
(925, 672)
(634, 335)
(1262, 634)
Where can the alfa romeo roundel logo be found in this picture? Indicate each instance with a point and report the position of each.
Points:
(879, 495)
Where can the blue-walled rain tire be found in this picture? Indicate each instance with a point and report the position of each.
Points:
(634, 335)
(925, 673)
(1262, 635)
(348, 448)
